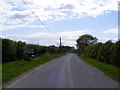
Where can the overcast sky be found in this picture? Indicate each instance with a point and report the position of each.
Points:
(67, 19)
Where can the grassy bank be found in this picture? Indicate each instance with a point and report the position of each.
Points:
(12, 69)
(113, 72)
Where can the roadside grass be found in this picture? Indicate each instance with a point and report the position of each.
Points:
(111, 71)
(12, 69)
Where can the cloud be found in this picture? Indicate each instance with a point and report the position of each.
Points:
(17, 16)
(68, 38)
(8, 27)
(50, 9)
(113, 31)
(106, 39)
(68, 6)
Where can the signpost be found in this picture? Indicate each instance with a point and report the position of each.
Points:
(29, 53)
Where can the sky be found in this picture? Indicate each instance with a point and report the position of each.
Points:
(68, 19)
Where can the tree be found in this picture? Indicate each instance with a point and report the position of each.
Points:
(115, 54)
(20, 49)
(107, 51)
(92, 51)
(84, 41)
(8, 50)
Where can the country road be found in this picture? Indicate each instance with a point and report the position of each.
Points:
(68, 71)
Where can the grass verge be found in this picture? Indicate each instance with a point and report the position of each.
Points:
(112, 71)
(12, 69)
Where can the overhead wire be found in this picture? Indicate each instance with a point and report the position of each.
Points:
(36, 16)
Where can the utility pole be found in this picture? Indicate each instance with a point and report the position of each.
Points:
(60, 43)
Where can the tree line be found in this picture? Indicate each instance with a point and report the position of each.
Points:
(14, 50)
(107, 52)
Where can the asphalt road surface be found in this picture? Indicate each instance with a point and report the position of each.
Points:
(68, 71)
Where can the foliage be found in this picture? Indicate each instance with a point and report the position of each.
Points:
(84, 41)
(8, 50)
(111, 71)
(13, 51)
(92, 51)
(107, 53)
(104, 52)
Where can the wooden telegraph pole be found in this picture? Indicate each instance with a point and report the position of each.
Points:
(60, 45)
(60, 42)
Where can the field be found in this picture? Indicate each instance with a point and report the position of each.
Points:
(12, 69)
(111, 71)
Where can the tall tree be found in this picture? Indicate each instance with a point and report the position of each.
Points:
(84, 41)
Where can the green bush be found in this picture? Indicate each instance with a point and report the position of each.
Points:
(107, 52)
(13, 51)
(104, 52)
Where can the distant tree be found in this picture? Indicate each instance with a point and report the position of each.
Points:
(92, 51)
(115, 54)
(8, 50)
(14, 50)
(20, 49)
(107, 51)
(84, 41)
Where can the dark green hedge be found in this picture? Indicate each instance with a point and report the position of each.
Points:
(13, 50)
(108, 52)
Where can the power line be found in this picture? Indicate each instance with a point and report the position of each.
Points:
(36, 15)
